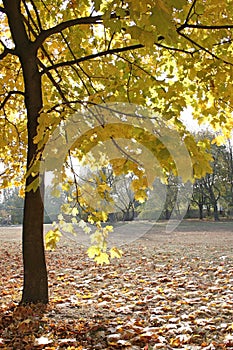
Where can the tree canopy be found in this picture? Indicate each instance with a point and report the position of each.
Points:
(62, 57)
(166, 55)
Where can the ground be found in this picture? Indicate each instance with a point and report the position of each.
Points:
(168, 291)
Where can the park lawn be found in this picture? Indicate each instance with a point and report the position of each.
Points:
(168, 291)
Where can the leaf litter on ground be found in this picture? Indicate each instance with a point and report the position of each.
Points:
(166, 292)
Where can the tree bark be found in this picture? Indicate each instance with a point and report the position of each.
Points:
(216, 216)
(35, 274)
(200, 206)
(35, 287)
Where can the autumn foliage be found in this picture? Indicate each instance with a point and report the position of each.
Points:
(62, 59)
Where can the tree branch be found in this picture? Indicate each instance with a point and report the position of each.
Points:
(174, 49)
(15, 127)
(201, 26)
(76, 70)
(64, 25)
(110, 52)
(16, 25)
(204, 49)
(53, 81)
(42, 47)
(37, 14)
(6, 51)
(67, 24)
(92, 56)
(190, 11)
(30, 19)
(2, 105)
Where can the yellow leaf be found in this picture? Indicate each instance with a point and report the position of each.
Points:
(102, 258)
(74, 212)
(87, 229)
(87, 296)
(103, 187)
(21, 192)
(56, 193)
(93, 251)
(82, 224)
(219, 140)
(104, 216)
(66, 209)
(33, 185)
(68, 227)
(60, 217)
(65, 187)
(52, 237)
(109, 228)
(140, 196)
(115, 253)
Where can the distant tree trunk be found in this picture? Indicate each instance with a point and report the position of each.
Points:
(214, 203)
(133, 212)
(230, 172)
(125, 215)
(216, 216)
(208, 209)
(167, 214)
(200, 207)
(35, 274)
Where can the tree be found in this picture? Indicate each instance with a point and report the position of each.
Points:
(212, 193)
(214, 188)
(123, 197)
(199, 197)
(12, 205)
(60, 57)
(115, 190)
(228, 180)
(52, 205)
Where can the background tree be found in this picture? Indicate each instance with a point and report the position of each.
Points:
(123, 197)
(62, 56)
(213, 191)
(11, 207)
(117, 191)
(52, 204)
(207, 190)
(199, 197)
(228, 178)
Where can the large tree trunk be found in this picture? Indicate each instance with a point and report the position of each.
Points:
(35, 274)
(35, 287)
